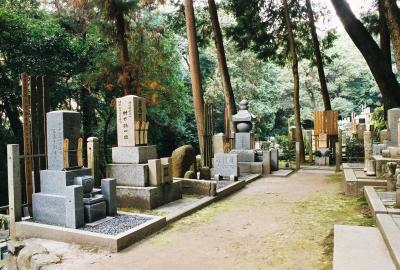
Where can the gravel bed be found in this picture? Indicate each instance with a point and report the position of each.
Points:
(223, 183)
(117, 225)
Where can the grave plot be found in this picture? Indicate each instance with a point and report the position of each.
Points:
(143, 180)
(69, 207)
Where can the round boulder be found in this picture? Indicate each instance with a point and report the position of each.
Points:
(183, 160)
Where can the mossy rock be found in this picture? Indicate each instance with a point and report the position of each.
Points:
(205, 173)
(190, 175)
(183, 160)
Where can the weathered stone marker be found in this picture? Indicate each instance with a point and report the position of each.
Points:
(93, 157)
(226, 165)
(14, 187)
(266, 162)
(367, 148)
(393, 116)
(298, 156)
(131, 112)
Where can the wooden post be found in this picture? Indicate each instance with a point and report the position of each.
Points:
(27, 139)
(93, 158)
(34, 106)
(298, 155)
(14, 187)
(338, 156)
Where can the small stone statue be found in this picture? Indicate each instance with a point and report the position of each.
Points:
(391, 176)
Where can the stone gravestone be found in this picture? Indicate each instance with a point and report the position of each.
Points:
(367, 148)
(226, 165)
(62, 125)
(219, 143)
(242, 121)
(393, 116)
(274, 159)
(67, 196)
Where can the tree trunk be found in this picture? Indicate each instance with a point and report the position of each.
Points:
(318, 58)
(393, 22)
(384, 35)
(195, 74)
(123, 53)
(226, 80)
(373, 55)
(296, 80)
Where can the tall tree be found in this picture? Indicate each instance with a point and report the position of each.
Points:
(195, 73)
(373, 55)
(318, 57)
(296, 80)
(393, 21)
(226, 80)
(116, 10)
(384, 35)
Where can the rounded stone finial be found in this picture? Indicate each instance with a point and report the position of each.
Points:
(244, 104)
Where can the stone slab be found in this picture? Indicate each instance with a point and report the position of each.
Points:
(55, 182)
(374, 201)
(250, 167)
(74, 216)
(133, 154)
(109, 191)
(389, 227)
(226, 165)
(393, 116)
(155, 172)
(136, 175)
(282, 173)
(274, 159)
(360, 248)
(198, 187)
(26, 229)
(148, 197)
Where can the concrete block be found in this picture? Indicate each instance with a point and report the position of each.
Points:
(49, 208)
(94, 212)
(74, 217)
(155, 172)
(133, 154)
(108, 189)
(244, 155)
(55, 182)
(166, 164)
(148, 197)
(136, 175)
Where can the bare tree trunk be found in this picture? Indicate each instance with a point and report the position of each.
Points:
(226, 80)
(384, 35)
(296, 80)
(393, 22)
(318, 58)
(373, 55)
(123, 53)
(195, 74)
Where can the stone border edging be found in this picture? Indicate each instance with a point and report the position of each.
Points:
(391, 234)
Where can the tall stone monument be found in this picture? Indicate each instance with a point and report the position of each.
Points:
(143, 180)
(68, 197)
(392, 120)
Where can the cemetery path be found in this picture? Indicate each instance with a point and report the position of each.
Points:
(273, 223)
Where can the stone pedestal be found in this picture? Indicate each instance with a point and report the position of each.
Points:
(243, 140)
(371, 165)
(244, 155)
(393, 116)
(129, 174)
(133, 154)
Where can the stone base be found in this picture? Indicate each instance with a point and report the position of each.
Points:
(129, 174)
(244, 155)
(251, 167)
(133, 154)
(148, 197)
(55, 182)
(49, 208)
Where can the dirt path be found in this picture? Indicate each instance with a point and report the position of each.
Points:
(273, 223)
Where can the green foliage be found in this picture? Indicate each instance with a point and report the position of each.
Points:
(288, 148)
(378, 118)
(354, 149)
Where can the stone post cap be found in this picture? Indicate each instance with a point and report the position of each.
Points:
(92, 139)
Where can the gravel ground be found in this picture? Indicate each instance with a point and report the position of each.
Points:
(224, 183)
(119, 224)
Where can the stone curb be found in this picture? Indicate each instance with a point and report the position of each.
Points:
(391, 234)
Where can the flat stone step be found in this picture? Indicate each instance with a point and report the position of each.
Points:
(358, 247)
